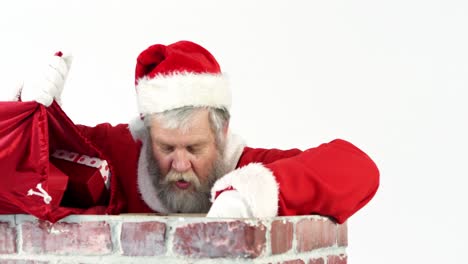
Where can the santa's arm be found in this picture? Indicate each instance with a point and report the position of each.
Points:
(265, 156)
(335, 179)
(105, 135)
(98, 134)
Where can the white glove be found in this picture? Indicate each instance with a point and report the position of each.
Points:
(230, 204)
(48, 84)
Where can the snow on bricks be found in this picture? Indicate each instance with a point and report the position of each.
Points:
(7, 238)
(324, 234)
(172, 239)
(317, 261)
(220, 239)
(281, 236)
(88, 238)
(143, 239)
(343, 235)
(341, 259)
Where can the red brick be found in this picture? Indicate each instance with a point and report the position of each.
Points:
(7, 238)
(143, 239)
(316, 261)
(341, 259)
(67, 238)
(296, 261)
(220, 239)
(343, 235)
(281, 236)
(315, 233)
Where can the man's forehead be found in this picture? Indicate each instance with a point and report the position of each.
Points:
(188, 135)
(194, 119)
(186, 138)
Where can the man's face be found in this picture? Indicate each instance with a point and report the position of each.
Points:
(187, 162)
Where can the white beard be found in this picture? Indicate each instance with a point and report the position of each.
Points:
(195, 199)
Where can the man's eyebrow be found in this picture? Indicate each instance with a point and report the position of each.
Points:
(161, 142)
(194, 143)
(198, 143)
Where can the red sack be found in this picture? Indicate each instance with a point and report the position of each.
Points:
(89, 181)
(34, 182)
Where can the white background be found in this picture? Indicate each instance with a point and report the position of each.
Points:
(389, 76)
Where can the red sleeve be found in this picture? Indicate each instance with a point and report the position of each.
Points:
(104, 136)
(334, 179)
(265, 156)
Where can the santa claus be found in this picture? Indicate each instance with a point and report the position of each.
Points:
(179, 156)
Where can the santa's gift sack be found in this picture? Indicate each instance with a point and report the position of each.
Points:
(89, 179)
(32, 181)
(57, 185)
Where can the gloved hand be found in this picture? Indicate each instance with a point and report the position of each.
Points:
(48, 84)
(230, 204)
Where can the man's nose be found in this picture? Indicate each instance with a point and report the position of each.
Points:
(181, 162)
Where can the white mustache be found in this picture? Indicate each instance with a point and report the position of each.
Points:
(190, 177)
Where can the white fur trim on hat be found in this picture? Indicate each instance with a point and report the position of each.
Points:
(256, 184)
(166, 92)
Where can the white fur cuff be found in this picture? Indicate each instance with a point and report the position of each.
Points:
(256, 184)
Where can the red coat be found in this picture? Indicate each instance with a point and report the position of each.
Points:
(334, 179)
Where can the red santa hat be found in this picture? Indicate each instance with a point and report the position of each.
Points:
(177, 75)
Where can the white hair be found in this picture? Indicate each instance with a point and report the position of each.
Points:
(179, 118)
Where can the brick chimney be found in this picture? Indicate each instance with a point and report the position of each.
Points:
(172, 239)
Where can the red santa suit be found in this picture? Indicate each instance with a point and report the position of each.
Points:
(334, 179)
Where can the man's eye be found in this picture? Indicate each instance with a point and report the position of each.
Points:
(166, 149)
(193, 149)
